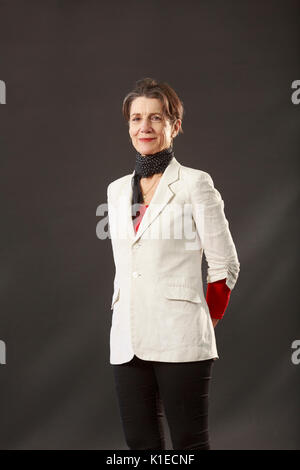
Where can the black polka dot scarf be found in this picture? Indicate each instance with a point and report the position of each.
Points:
(148, 165)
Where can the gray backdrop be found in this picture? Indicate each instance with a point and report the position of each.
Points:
(67, 66)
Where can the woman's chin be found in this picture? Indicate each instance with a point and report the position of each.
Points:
(148, 148)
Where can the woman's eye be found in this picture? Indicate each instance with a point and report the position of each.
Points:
(153, 117)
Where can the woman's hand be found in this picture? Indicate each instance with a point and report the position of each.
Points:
(215, 321)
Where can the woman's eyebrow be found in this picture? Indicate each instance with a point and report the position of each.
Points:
(135, 114)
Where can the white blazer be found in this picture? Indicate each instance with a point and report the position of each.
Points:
(159, 308)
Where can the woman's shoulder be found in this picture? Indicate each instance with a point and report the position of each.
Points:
(117, 184)
(194, 174)
(199, 183)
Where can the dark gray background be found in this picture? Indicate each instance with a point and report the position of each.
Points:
(67, 67)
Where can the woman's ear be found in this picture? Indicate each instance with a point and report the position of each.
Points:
(176, 128)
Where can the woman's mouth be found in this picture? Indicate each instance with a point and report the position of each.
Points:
(147, 140)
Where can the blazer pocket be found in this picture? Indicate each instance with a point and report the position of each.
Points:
(182, 293)
(115, 297)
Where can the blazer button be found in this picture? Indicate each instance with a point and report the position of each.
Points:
(135, 274)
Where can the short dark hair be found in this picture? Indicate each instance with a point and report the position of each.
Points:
(151, 88)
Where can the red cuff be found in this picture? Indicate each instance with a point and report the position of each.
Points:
(217, 298)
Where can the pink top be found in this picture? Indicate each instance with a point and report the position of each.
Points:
(138, 219)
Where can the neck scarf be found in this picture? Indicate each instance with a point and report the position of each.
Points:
(148, 165)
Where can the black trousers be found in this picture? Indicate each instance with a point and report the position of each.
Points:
(144, 388)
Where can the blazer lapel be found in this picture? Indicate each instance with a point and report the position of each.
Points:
(163, 194)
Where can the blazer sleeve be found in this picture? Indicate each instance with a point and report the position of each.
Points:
(213, 230)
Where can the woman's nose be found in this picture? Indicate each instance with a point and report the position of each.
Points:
(145, 125)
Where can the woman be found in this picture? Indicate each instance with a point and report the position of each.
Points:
(162, 217)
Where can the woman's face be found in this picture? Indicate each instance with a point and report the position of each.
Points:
(149, 129)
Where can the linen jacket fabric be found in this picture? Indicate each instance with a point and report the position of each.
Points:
(159, 308)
